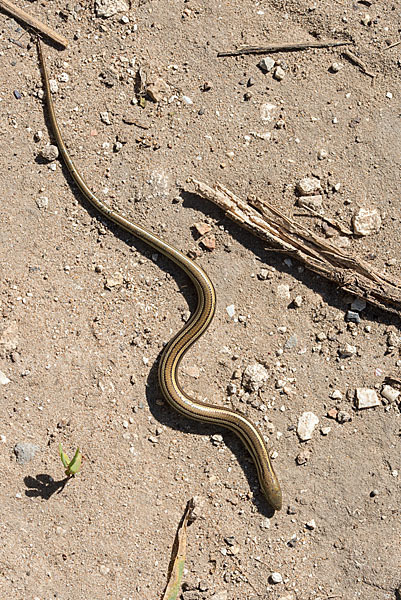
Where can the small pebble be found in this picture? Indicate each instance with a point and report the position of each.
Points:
(278, 73)
(297, 302)
(254, 377)
(187, 100)
(366, 398)
(276, 577)
(302, 457)
(53, 86)
(366, 19)
(24, 452)
(352, 317)
(322, 154)
(3, 378)
(346, 351)
(105, 118)
(17, 94)
(309, 186)
(266, 64)
(336, 395)
(366, 221)
(310, 524)
(336, 67)
(306, 424)
(314, 202)
(390, 393)
(325, 430)
(343, 417)
(49, 152)
(291, 342)
(283, 291)
(374, 493)
(230, 310)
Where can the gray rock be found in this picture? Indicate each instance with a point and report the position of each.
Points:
(343, 417)
(358, 304)
(279, 73)
(266, 64)
(390, 393)
(315, 202)
(254, 376)
(49, 152)
(346, 351)
(291, 342)
(352, 317)
(24, 452)
(108, 8)
(309, 186)
(366, 221)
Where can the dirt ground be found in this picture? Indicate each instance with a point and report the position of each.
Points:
(85, 310)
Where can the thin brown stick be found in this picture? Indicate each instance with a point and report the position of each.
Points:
(349, 272)
(358, 62)
(393, 45)
(32, 21)
(284, 47)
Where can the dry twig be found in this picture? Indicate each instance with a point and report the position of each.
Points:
(290, 47)
(352, 274)
(33, 22)
(358, 62)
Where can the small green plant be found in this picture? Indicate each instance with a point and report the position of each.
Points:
(71, 466)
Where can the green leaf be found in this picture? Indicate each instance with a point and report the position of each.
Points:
(64, 458)
(75, 464)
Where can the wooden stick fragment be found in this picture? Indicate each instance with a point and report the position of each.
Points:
(349, 272)
(358, 62)
(284, 47)
(32, 21)
(393, 45)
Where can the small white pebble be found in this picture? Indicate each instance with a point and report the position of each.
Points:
(276, 577)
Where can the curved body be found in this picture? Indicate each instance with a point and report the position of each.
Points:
(196, 326)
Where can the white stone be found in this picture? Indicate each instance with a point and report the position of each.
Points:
(279, 73)
(266, 64)
(115, 280)
(268, 111)
(336, 395)
(254, 376)
(230, 310)
(283, 291)
(366, 398)
(276, 577)
(347, 350)
(314, 202)
(108, 8)
(366, 221)
(390, 393)
(3, 378)
(309, 186)
(306, 424)
(223, 595)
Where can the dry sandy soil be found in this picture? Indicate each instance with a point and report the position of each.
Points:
(81, 353)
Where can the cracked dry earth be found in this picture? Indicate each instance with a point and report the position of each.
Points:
(85, 310)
